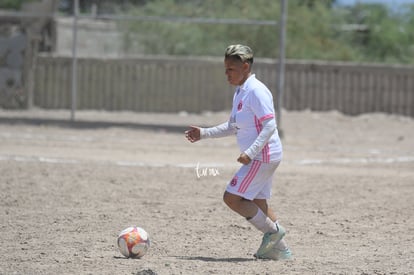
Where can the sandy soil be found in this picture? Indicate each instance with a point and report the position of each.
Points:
(344, 192)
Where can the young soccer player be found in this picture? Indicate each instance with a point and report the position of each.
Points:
(252, 120)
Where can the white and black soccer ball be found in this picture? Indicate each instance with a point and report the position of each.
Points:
(133, 242)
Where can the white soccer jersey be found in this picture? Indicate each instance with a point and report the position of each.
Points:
(252, 104)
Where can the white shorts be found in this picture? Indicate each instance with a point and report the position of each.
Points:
(253, 181)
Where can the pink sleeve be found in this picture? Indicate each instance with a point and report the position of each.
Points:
(266, 117)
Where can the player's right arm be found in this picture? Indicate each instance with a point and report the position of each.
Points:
(196, 133)
(193, 134)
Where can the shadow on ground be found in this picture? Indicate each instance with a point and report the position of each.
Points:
(83, 124)
(213, 259)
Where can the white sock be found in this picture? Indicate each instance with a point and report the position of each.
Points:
(276, 225)
(263, 222)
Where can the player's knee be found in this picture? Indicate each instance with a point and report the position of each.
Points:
(231, 200)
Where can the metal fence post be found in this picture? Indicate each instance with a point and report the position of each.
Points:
(74, 59)
(281, 67)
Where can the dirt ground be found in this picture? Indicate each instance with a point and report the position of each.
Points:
(344, 192)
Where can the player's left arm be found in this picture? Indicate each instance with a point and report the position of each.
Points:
(269, 127)
(263, 109)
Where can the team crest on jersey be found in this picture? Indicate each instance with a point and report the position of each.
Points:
(240, 106)
(233, 181)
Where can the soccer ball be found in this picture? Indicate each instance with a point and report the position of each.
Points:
(133, 242)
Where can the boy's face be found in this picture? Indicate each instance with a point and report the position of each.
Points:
(236, 71)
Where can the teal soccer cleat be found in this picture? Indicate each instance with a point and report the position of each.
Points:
(269, 241)
(276, 254)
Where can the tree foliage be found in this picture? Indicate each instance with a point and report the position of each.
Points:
(12, 4)
(389, 36)
(315, 30)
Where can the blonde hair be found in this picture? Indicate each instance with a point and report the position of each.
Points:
(240, 52)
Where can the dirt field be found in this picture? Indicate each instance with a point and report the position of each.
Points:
(344, 192)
